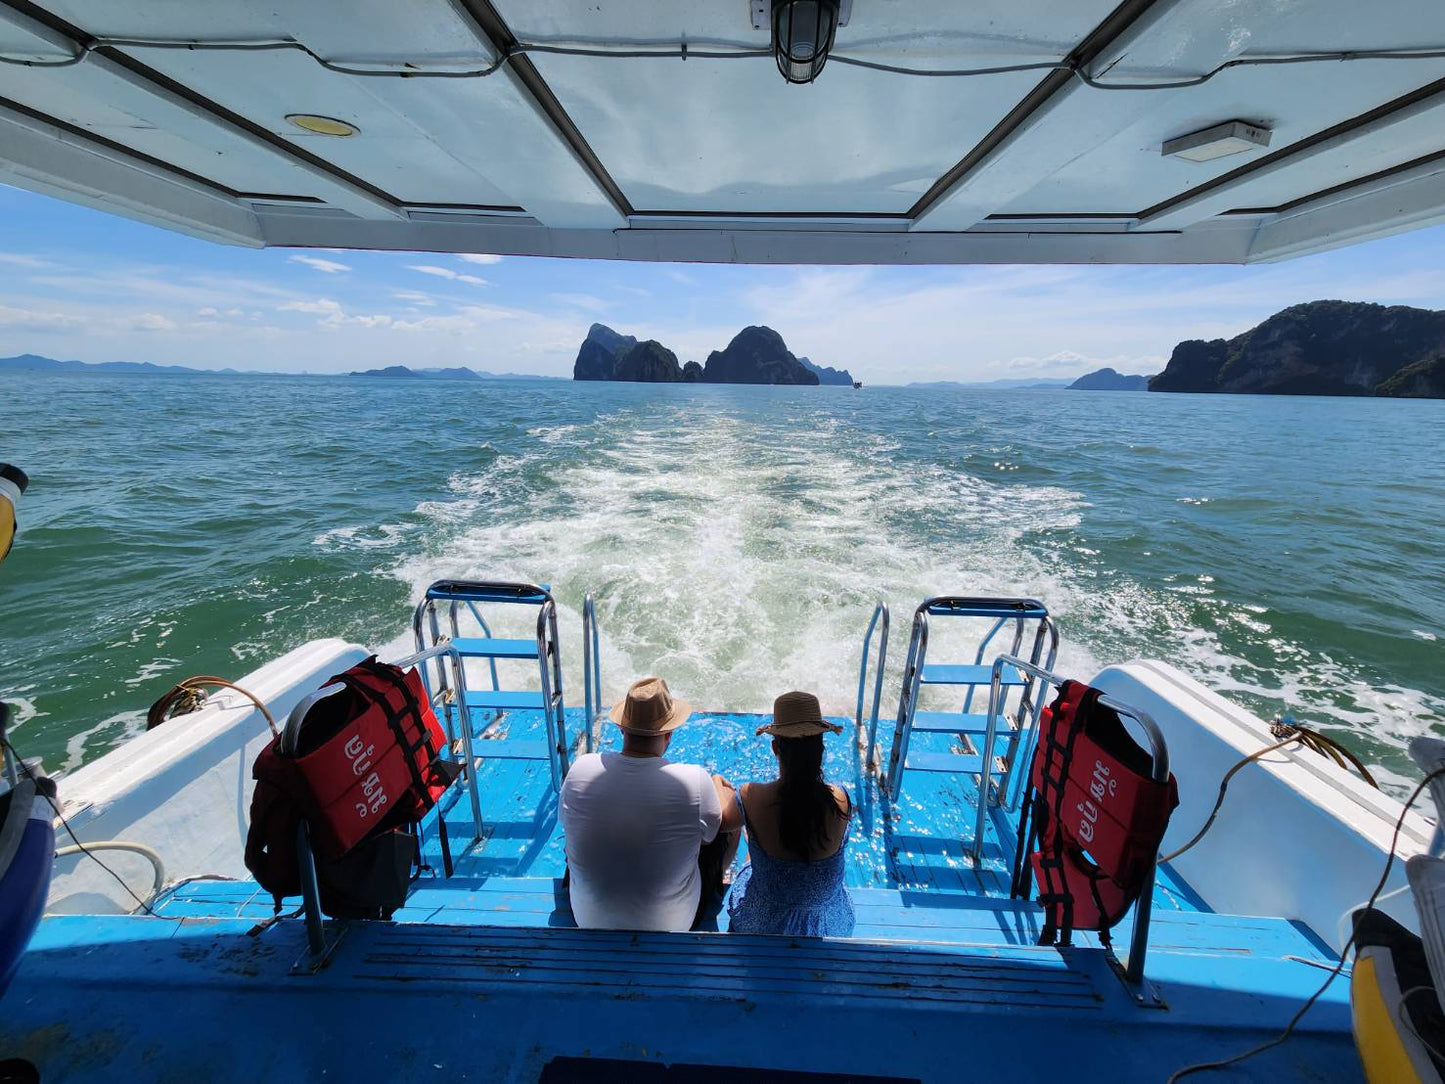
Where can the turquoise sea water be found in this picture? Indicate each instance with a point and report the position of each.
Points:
(1289, 552)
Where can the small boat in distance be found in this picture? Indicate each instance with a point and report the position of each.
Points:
(857, 385)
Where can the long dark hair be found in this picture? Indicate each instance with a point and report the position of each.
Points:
(805, 803)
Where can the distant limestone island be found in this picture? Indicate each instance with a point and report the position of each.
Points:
(756, 355)
(1320, 348)
(1107, 379)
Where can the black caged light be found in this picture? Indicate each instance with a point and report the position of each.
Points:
(802, 35)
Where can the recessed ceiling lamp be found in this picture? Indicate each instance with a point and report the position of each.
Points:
(327, 126)
(1231, 137)
(802, 35)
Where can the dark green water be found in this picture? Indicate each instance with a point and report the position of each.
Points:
(1289, 552)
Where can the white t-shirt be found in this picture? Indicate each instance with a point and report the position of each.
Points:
(634, 826)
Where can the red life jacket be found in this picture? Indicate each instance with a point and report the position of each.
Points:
(1098, 815)
(367, 759)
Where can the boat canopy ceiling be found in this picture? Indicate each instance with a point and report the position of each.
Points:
(992, 131)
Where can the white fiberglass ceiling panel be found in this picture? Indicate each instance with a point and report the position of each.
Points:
(1126, 173)
(732, 136)
(93, 100)
(412, 139)
(1092, 150)
(479, 142)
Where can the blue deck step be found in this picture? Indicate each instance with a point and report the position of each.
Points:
(510, 749)
(504, 700)
(944, 762)
(968, 675)
(485, 647)
(953, 722)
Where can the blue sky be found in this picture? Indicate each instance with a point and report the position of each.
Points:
(81, 284)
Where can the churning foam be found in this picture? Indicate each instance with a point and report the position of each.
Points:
(741, 557)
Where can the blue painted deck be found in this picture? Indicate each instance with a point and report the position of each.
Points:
(483, 976)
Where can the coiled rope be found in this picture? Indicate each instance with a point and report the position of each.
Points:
(1289, 733)
(190, 695)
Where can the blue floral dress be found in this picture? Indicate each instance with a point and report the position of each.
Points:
(787, 896)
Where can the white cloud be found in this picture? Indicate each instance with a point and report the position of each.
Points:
(581, 301)
(415, 297)
(330, 267)
(447, 273)
(333, 315)
(208, 311)
(149, 321)
(19, 259)
(484, 258)
(39, 320)
(321, 306)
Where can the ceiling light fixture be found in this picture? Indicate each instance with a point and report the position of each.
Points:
(802, 36)
(327, 126)
(1231, 137)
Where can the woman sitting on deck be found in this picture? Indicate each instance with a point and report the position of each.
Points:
(796, 827)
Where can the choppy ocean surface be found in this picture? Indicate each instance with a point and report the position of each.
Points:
(1288, 552)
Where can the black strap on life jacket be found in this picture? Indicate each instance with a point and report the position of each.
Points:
(395, 717)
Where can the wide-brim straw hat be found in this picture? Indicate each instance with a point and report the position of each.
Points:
(798, 715)
(650, 708)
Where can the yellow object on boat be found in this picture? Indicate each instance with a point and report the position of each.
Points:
(12, 483)
(1393, 1005)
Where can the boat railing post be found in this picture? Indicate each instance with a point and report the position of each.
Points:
(310, 894)
(549, 670)
(1031, 706)
(1045, 678)
(441, 654)
(591, 670)
(907, 700)
(1159, 750)
(880, 614)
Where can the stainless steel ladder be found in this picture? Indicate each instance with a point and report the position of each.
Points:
(487, 706)
(981, 731)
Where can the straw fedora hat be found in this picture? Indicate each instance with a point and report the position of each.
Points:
(798, 715)
(650, 708)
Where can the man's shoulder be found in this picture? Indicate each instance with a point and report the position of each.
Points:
(584, 767)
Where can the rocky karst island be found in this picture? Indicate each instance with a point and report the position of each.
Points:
(756, 355)
(1320, 348)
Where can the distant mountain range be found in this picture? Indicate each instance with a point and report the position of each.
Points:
(756, 355)
(35, 363)
(1037, 382)
(402, 372)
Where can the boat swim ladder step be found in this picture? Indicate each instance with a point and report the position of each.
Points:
(480, 709)
(996, 741)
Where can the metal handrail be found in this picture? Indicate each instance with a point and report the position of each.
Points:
(591, 669)
(1024, 737)
(438, 652)
(908, 699)
(1159, 773)
(310, 892)
(880, 612)
(552, 705)
(1022, 610)
(549, 656)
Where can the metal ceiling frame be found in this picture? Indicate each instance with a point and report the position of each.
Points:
(347, 193)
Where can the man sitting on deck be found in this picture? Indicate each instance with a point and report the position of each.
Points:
(639, 827)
